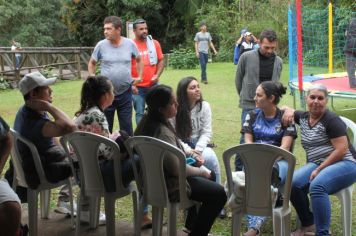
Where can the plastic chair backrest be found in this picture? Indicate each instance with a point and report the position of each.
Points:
(152, 152)
(258, 160)
(17, 158)
(86, 148)
(352, 126)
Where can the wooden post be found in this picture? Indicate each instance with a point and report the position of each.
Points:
(77, 59)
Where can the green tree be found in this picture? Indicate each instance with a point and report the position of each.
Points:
(33, 23)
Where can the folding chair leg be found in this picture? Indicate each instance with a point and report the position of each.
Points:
(236, 224)
(45, 196)
(110, 215)
(157, 216)
(345, 199)
(32, 211)
(94, 212)
(137, 212)
(70, 186)
(172, 219)
(79, 210)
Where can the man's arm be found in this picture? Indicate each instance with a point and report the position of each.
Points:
(196, 49)
(240, 73)
(61, 125)
(5, 148)
(91, 66)
(160, 68)
(212, 46)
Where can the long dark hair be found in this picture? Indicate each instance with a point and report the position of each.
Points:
(156, 99)
(183, 121)
(93, 89)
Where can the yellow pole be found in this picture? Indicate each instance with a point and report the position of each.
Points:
(330, 37)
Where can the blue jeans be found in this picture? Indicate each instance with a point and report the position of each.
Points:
(203, 60)
(18, 61)
(210, 159)
(123, 105)
(350, 66)
(139, 102)
(330, 180)
(238, 163)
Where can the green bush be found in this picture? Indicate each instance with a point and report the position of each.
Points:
(4, 84)
(183, 58)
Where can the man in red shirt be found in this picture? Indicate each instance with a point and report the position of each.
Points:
(152, 57)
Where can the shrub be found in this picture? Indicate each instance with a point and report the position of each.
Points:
(4, 84)
(183, 58)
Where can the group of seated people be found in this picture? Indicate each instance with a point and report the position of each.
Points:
(184, 120)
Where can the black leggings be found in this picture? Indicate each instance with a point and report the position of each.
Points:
(212, 198)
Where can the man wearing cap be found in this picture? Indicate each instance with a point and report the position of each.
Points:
(152, 57)
(248, 43)
(253, 68)
(115, 53)
(34, 123)
(202, 43)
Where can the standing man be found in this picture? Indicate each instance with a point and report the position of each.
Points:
(16, 47)
(253, 68)
(153, 65)
(350, 52)
(115, 53)
(202, 43)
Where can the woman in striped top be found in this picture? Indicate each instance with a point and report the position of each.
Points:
(330, 167)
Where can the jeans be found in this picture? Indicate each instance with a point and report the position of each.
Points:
(238, 163)
(255, 222)
(210, 158)
(330, 180)
(350, 66)
(139, 102)
(18, 61)
(123, 105)
(203, 60)
(212, 197)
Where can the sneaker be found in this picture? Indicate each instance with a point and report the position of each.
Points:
(146, 222)
(85, 217)
(64, 208)
(222, 214)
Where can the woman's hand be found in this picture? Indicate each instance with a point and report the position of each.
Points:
(198, 157)
(314, 174)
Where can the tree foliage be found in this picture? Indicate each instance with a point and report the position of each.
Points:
(33, 23)
(172, 22)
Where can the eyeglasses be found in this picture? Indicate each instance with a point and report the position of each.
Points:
(319, 98)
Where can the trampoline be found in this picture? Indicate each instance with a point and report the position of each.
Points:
(337, 84)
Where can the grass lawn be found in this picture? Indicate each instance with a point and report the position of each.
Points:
(221, 94)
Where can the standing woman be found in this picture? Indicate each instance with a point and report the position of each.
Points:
(193, 124)
(162, 106)
(331, 163)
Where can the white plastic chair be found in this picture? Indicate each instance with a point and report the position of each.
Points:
(44, 187)
(85, 146)
(152, 183)
(258, 160)
(345, 195)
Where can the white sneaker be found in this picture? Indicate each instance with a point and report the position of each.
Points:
(64, 208)
(85, 217)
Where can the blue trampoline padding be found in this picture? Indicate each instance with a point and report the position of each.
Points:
(308, 78)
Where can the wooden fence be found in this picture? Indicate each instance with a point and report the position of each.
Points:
(67, 61)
